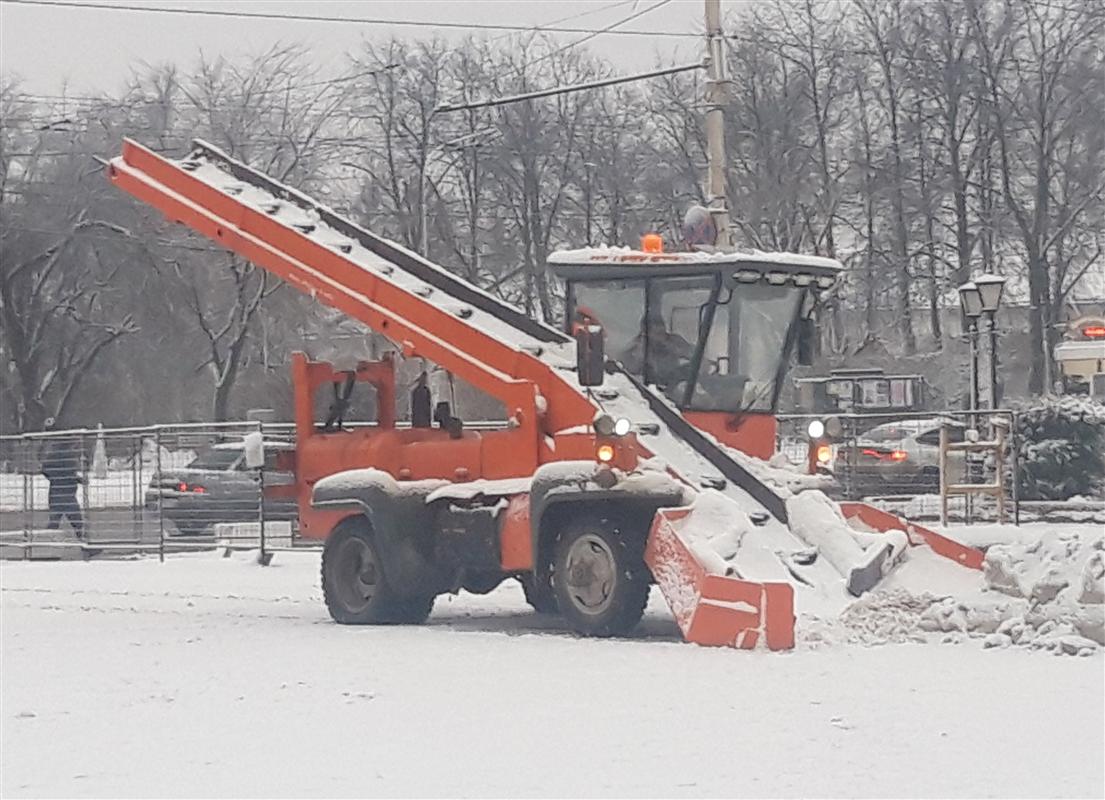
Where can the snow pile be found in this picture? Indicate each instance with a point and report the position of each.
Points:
(886, 616)
(1047, 593)
(1058, 584)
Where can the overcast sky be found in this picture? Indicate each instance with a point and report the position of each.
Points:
(94, 49)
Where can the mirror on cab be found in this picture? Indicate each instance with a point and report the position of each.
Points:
(590, 353)
(255, 450)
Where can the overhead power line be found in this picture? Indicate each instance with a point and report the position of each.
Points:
(608, 29)
(569, 18)
(211, 12)
(578, 87)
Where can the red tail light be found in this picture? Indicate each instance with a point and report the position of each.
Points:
(182, 487)
(884, 455)
(198, 490)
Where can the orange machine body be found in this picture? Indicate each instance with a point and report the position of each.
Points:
(751, 433)
(413, 454)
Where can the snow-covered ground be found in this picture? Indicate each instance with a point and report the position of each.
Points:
(206, 676)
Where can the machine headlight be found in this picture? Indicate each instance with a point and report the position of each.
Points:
(606, 425)
(816, 429)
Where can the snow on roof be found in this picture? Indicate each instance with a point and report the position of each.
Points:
(590, 255)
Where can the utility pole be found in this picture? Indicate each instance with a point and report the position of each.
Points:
(716, 194)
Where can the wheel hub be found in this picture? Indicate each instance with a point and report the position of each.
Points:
(591, 574)
(357, 574)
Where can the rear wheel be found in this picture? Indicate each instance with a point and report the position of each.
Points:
(600, 579)
(355, 587)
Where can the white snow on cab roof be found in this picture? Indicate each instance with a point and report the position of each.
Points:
(590, 255)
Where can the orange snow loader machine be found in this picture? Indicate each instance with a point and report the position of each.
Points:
(615, 427)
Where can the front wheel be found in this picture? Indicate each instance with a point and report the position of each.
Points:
(539, 592)
(354, 585)
(600, 578)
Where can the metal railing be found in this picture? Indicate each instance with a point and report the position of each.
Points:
(893, 459)
(160, 488)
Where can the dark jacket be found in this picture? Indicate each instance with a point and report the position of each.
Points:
(60, 464)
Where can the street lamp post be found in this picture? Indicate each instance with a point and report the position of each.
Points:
(970, 300)
(990, 289)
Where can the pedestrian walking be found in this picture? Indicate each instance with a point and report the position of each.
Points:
(61, 464)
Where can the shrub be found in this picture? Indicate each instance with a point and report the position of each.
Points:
(1061, 447)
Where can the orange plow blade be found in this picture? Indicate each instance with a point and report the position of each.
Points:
(878, 520)
(716, 610)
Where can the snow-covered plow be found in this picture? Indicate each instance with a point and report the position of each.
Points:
(566, 494)
(713, 609)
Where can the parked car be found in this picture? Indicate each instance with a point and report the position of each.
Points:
(898, 457)
(217, 486)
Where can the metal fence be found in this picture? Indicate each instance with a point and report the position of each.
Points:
(162, 488)
(893, 459)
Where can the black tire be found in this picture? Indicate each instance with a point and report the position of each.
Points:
(600, 578)
(354, 585)
(539, 592)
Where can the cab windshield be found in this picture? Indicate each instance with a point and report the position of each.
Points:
(709, 342)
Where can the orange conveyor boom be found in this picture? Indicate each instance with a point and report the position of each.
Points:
(320, 269)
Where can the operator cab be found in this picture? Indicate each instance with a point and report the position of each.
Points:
(714, 331)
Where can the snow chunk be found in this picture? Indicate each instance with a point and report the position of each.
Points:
(819, 521)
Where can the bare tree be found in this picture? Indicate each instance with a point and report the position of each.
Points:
(60, 305)
(882, 23)
(1051, 186)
